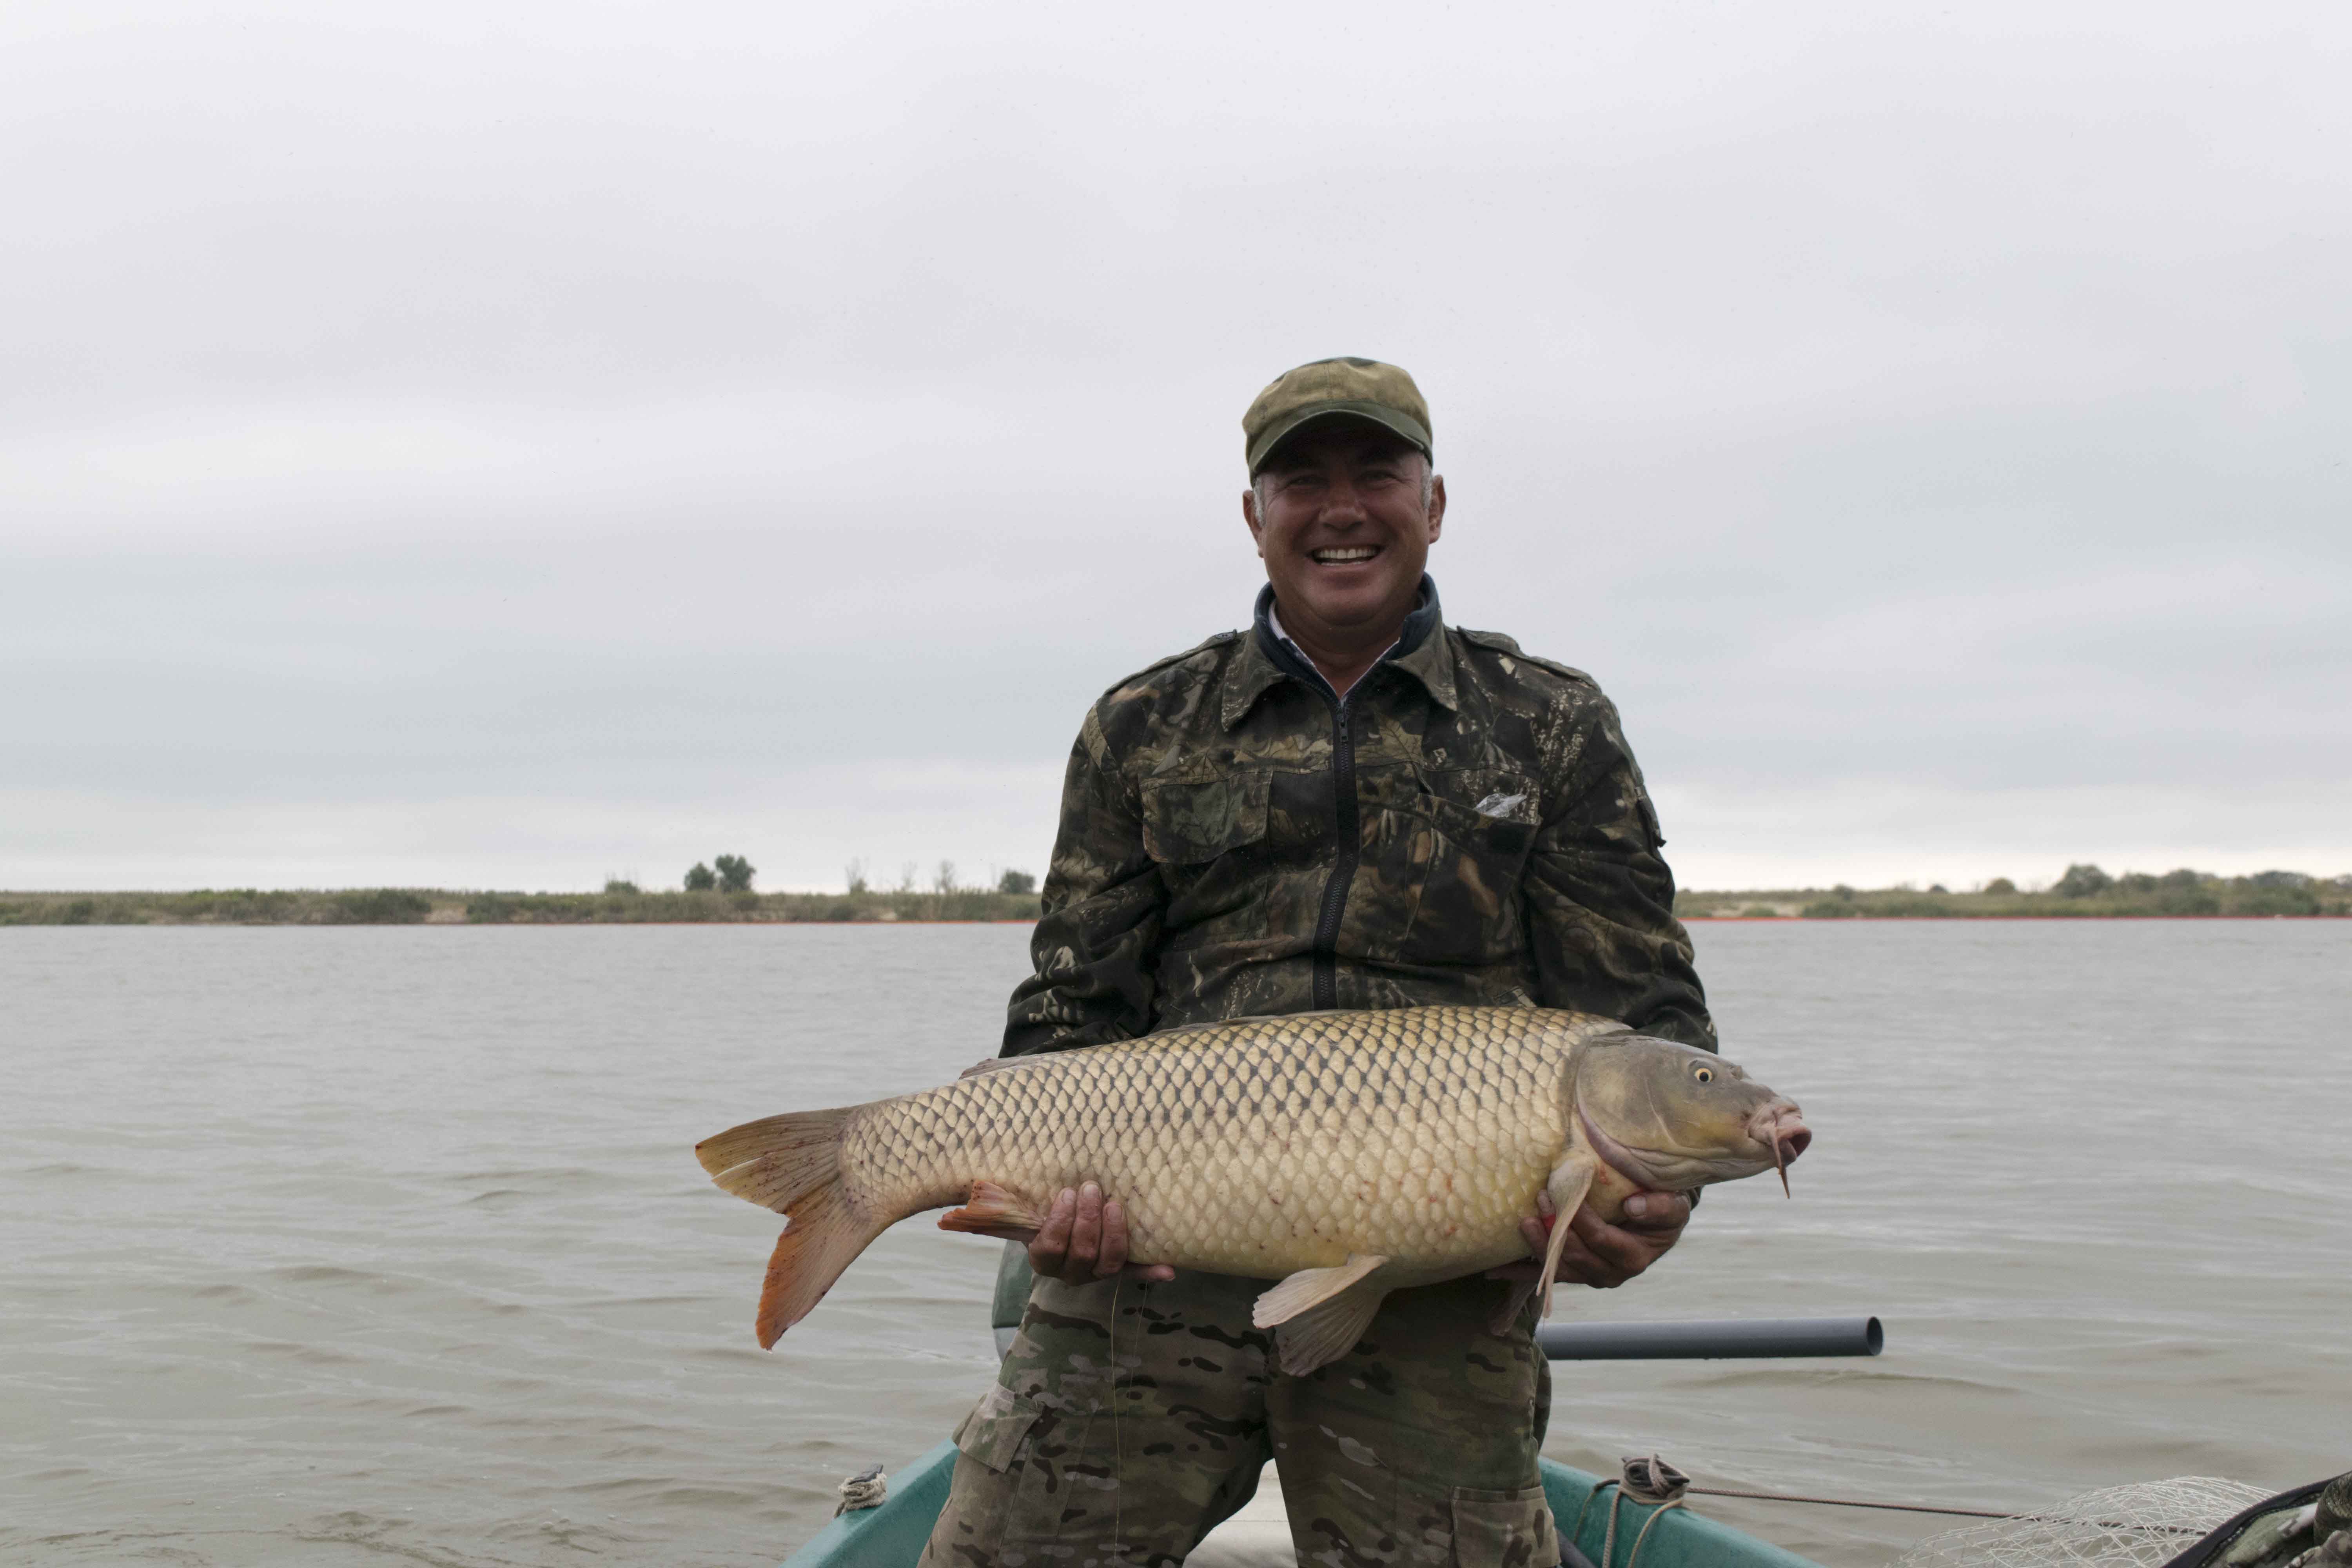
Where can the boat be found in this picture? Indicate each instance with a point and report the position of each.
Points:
(891, 1534)
(1610, 1529)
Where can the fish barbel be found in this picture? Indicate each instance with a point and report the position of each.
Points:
(1346, 1154)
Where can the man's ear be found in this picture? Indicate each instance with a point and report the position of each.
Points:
(1249, 515)
(1436, 506)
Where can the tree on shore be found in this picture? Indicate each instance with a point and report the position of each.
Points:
(1016, 882)
(2083, 880)
(700, 878)
(734, 873)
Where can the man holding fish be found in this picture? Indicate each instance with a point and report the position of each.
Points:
(1363, 919)
(1210, 864)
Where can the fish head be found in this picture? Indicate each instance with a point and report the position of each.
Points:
(1673, 1117)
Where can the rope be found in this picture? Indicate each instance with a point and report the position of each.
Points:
(1118, 1450)
(1924, 1508)
(1635, 1555)
(865, 1489)
(1650, 1480)
(1609, 1538)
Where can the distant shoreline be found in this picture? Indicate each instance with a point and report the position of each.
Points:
(2085, 893)
(446, 907)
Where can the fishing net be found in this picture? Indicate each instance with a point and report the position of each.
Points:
(2143, 1525)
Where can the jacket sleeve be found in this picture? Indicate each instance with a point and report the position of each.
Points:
(1598, 898)
(1096, 946)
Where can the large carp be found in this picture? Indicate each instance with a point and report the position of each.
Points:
(1347, 1154)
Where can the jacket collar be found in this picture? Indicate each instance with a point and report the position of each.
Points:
(1420, 651)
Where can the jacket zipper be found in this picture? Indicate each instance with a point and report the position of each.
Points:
(1343, 871)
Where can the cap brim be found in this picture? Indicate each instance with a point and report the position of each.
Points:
(1387, 418)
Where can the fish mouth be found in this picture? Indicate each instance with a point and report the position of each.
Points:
(1781, 1127)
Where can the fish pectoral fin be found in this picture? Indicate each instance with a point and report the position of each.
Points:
(1570, 1180)
(1328, 1327)
(1311, 1286)
(1318, 1314)
(991, 1210)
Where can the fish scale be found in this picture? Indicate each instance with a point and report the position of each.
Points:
(1347, 1154)
(1336, 1135)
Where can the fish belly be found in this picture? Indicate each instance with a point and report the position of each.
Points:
(1266, 1146)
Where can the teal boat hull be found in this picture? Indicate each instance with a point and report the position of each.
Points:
(892, 1535)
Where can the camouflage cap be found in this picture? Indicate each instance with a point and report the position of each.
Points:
(1347, 388)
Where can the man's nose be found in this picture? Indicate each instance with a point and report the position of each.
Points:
(1343, 503)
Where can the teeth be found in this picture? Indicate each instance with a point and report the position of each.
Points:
(1341, 557)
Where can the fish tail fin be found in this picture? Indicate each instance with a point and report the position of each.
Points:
(826, 1234)
(791, 1164)
(777, 1160)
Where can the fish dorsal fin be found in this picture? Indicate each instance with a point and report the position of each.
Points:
(1002, 1064)
(1318, 1314)
(1181, 1030)
(1570, 1180)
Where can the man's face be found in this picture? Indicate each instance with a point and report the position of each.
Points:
(1341, 522)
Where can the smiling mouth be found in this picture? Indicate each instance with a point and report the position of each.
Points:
(1343, 555)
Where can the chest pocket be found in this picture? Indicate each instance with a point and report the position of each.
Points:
(1452, 850)
(1192, 821)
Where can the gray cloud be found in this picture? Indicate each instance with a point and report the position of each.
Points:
(445, 446)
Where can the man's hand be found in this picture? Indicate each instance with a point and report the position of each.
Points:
(1084, 1239)
(1599, 1253)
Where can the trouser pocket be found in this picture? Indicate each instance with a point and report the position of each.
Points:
(992, 1451)
(992, 1435)
(1504, 1530)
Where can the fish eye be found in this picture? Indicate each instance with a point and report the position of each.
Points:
(1704, 1075)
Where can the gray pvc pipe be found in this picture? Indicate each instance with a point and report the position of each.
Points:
(1714, 1339)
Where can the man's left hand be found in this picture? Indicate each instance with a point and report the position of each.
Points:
(1600, 1254)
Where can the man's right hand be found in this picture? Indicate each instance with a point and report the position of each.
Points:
(1084, 1239)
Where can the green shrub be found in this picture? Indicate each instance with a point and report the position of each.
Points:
(377, 907)
(2082, 881)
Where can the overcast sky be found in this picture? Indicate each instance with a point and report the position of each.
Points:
(511, 445)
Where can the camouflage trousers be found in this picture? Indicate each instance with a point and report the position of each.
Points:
(1128, 1420)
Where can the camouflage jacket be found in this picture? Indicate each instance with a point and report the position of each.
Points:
(1467, 826)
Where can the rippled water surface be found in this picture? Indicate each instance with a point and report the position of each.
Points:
(331, 1246)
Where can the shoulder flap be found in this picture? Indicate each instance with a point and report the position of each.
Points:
(1123, 682)
(1497, 642)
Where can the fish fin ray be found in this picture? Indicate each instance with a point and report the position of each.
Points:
(1310, 1288)
(994, 1210)
(1568, 1183)
(777, 1160)
(826, 1234)
(793, 1164)
(987, 1065)
(1327, 1329)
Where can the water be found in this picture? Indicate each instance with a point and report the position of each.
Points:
(324, 1246)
